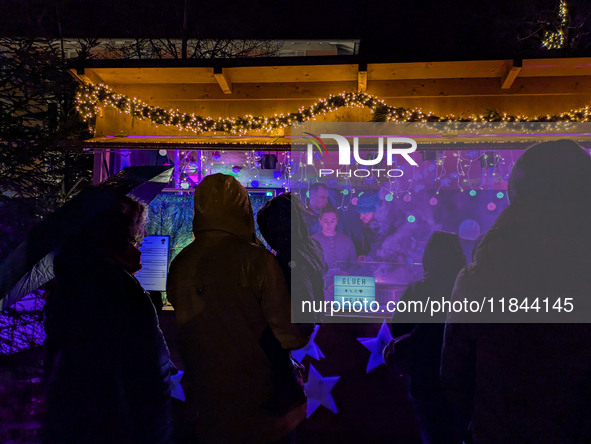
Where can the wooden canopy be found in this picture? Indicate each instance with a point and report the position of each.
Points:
(265, 87)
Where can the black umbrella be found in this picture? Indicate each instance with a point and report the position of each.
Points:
(31, 264)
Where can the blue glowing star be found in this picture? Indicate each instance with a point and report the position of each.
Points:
(311, 349)
(318, 389)
(376, 346)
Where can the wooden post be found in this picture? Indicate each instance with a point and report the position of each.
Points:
(223, 80)
(511, 71)
(362, 77)
(177, 169)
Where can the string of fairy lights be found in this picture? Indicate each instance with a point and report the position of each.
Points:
(557, 38)
(91, 98)
(431, 175)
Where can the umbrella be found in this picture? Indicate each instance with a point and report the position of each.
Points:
(30, 265)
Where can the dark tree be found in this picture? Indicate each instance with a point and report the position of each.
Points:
(37, 109)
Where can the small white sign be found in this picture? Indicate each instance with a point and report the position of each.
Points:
(154, 270)
(354, 288)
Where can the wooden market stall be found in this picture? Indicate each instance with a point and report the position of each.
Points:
(238, 105)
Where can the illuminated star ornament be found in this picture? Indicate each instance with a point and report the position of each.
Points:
(176, 391)
(318, 391)
(376, 346)
(311, 349)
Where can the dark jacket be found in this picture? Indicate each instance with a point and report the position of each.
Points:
(225, 291)
(525, 383)
(108, 367)
(420, 335)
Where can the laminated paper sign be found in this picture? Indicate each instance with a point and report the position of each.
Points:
(154, 270)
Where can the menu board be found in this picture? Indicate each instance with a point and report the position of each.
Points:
(354, 288)
(154, 270)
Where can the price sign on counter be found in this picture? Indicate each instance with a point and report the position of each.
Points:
(354, 288)
(154, 270)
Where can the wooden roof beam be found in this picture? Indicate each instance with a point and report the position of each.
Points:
(223, 79)
(85, 76)
(510, 73)
(362, 77)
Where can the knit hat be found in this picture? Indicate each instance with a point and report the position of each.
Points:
(443, 255)
(469, 230)
(559, 169)
(367, 202)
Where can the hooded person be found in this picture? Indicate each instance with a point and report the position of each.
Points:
(416, 348)
(529, 382)
(226, 291)
(281, 222)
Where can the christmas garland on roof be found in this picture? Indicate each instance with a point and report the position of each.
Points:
(91, 97)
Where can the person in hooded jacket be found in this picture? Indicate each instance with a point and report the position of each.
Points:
(281, 222)
(107, 364)
(529, 382)
(225, 291)
(416, 348)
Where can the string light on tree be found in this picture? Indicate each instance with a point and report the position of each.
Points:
(556, 39)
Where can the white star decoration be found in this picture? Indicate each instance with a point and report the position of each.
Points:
(311, 349)
(376, 346)
(176, 391)
(318, 391)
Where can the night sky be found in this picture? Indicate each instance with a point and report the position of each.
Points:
(392, 30)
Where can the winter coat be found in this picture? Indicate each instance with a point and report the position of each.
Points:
(525, 383)
(107, 364)
(225, 291)
(419, 336)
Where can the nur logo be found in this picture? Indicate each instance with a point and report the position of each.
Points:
(317, 143)
(345, 149)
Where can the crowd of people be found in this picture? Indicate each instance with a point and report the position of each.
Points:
(109, 370)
